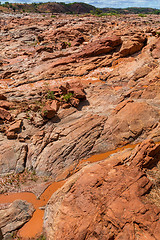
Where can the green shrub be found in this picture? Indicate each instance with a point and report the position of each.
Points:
(67, 96)
(50, 95)
(142, 15)
(42, 237)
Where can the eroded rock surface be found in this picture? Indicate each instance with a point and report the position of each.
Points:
(12, 157)
(13, 217)
(108, 200)
(74, 86)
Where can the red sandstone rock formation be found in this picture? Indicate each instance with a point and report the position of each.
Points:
(107, 200)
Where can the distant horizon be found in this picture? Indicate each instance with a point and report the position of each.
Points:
(101, 3)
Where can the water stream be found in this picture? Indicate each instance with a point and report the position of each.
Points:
(34, 226)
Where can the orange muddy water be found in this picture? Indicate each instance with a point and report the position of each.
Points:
(34, 227)
(102, 156)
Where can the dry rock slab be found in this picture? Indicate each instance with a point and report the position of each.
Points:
(63, 146)
(129, 121)
(12, 157)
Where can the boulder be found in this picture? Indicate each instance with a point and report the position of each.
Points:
(77, 93)
(55, 105)
(15, 127)
(5, 115)
(132, 45)
(50, 109)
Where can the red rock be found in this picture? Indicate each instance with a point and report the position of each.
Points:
(15, 127)
(74, 102)
(98, 47)
(106, 200)
(147, 153)
(5, 115)
(55, 105)
(50, 109)
(130, 47)
(101, 46)
(2, 97)
(156, 50)
(13, 130)
(77, 89)
(11, 135)
(78, 41)
(64, 61)
(77, 93)
(48, 112)
(65, 105)
(5, 104)
(48, 48)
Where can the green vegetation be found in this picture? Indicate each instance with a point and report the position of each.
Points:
(68, 44)
(50, 95)
(42, 237)
(75, 8)
(141, 15)
(67, 97)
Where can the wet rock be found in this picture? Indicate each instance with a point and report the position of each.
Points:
(13, 217)
(101, 201)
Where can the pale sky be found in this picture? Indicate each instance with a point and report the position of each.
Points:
(104, 3)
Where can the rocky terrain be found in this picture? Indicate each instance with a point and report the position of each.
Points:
(72, 87)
